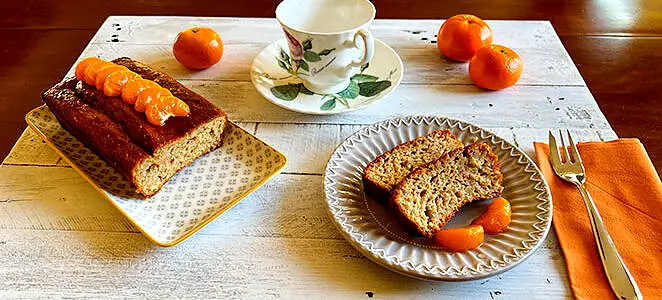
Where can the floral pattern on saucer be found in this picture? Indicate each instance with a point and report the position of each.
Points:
(274, 74)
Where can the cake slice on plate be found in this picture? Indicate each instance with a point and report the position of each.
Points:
(388, 169)
(428, 197)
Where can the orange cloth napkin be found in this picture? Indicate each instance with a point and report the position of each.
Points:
(628, 193)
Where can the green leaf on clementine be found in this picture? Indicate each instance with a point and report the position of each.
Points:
(287, 92)
(369, 89)
(351, 92)
(311, 56)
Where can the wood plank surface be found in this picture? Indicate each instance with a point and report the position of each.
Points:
(125, 265)
(279, 241)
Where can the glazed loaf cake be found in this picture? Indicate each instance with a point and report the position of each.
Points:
(145, 154)
(388, 169)
(428, 197)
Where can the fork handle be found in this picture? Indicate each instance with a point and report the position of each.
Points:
(619, 276)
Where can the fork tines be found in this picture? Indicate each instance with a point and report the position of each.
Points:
(564, 156)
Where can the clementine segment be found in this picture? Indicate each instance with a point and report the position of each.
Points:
(198, 48)
(148, 95)
(176, 106)
(82, 65)
(460, 239)
(92, 70)
(495, 67)
(497, 217)
(105, 71)
(462, 35)
(134, 87)
(113, 85)
(158, 111)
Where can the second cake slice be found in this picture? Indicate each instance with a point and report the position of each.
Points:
(388, 169)
(428, 197)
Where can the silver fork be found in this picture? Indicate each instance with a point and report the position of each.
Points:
(572, 170)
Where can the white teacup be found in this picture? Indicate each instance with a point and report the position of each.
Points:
(323, 38)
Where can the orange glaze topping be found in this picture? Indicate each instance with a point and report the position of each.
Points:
(147, 96)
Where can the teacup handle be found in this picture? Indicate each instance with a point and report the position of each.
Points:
(369, 49)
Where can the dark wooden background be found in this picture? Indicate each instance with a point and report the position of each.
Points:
(617, 46)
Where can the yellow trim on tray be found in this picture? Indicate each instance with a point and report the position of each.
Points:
(148, 236)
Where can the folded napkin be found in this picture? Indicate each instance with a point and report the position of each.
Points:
(628, 193)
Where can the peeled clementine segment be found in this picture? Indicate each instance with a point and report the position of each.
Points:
(497, 217)
(92, 70)
(158, 111)
(115, 81)
(82, 65)
(148, 95)
(176, 106)
(132, 88)
(460, 239)
(105, 71)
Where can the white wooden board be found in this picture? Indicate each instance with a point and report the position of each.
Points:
(60, 238)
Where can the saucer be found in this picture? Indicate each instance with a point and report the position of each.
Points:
(377, 79)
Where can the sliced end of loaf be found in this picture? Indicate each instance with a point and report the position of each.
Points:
(387, 170)
(152, 173)
(428, 197)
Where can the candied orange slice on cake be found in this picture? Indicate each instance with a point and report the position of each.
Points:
(115, 81)
(148, 95)
(92, 70)
(134, 87)
(82, 65)
(105, 71)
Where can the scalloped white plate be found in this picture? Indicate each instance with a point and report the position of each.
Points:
(371, 229)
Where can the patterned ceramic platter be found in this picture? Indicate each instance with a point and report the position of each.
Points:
(272, 74)
(371, 229)
(191, 199)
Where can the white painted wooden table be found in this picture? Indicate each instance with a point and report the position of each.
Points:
(60, 238)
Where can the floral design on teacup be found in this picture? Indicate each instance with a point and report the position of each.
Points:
(301, 55)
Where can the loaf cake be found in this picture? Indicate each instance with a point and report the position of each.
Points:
(145, 154)
(388, 169)
(430, 195)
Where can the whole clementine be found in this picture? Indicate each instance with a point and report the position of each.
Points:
(495, 67)
(462, 35)
(198, 48)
